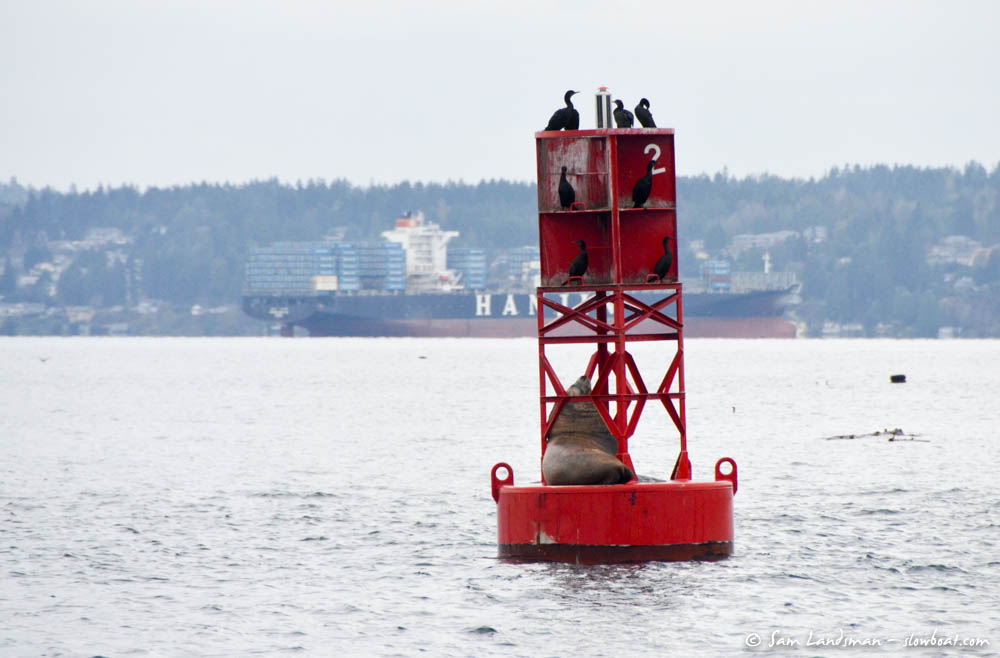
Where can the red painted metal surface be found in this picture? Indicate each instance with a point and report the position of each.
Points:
(587, 167)
(622, 514)
(720, 473)
(614, 318)
(616, 523)
(623, 243)
(635, 149)
(679, 519)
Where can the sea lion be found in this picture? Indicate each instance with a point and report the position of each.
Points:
(580, 449)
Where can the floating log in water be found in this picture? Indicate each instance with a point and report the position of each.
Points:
(894, 435)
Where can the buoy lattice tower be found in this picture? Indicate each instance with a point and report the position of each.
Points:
(621, 302)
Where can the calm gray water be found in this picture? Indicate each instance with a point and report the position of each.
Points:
(200, 497)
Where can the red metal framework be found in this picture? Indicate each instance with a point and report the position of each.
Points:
(603, 165)
(623, 245)
(619, 392)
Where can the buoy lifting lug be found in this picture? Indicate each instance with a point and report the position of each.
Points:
(730, 476)
(507, 481)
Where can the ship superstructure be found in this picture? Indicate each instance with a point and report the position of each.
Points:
(426, 247)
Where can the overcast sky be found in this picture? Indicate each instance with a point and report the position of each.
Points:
(164, 93)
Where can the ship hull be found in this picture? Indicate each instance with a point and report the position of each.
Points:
(760, 327)
(503, 315)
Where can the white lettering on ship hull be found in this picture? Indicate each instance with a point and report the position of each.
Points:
(513, 307)
(483, 305)
(509, 307)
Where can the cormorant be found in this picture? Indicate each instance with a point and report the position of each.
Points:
(643, 186)
(623, 118)
(565, 117)
(643, 115)
(579, 264)
(567, 195)
(662, 267)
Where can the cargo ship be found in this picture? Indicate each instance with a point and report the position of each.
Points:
(411, 284)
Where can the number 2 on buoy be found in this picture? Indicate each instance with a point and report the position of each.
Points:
(656, 156)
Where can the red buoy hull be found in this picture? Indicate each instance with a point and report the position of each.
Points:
(676, 520)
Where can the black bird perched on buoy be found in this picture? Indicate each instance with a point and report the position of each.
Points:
(643, 115)
(662, 267)
(643, 186)
(567, 195)
(565, 117)
(623, 118)
(579, 264)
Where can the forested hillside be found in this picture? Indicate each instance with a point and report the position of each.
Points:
(871, 245)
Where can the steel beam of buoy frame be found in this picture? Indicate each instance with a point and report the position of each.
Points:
(677, 519)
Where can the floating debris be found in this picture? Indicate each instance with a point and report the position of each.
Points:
(895, 434)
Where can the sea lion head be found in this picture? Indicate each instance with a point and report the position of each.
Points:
(580, 387)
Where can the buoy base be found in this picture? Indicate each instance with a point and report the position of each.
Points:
(634, 522)
(577, 554)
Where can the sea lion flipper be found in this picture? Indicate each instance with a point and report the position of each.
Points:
(626, 475)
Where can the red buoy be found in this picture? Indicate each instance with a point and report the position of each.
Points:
(586, 524)
(631, 520)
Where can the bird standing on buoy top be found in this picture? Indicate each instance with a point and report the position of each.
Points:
(643, 114)
(623, 118)
(565, 117)
(643, 186)
(567, 195)
(662, 267)
(579, 264)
